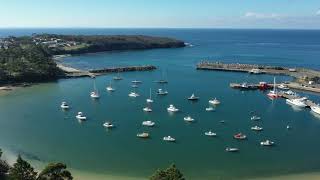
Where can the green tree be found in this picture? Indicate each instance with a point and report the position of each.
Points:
(22, 170)
(55, 171)
(171, 173)
(4, 167)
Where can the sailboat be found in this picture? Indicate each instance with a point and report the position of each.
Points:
(162, 80)
(134, 94)
(150, 100)
(273, 93)
(118, 77)
(110, 88)
(94, 94)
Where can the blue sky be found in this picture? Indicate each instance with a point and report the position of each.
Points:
(298, 14)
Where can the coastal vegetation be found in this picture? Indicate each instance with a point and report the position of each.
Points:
(171, 173)
(22, 170)
(30, 58)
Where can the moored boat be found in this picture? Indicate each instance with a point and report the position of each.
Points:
(147, 109)
(214, 101)
(148, 123)
(240, 136)
(81, 117)
(315, 109)
(209, 109)
(64, 105)
(169, 139)
(255, 118)
(193, 98)
(172, 108)
(256, 128)
(108, 125)
(232, 149)
(143, 135)
(300, 102)
(210, 133)
(188, 119)
(162, 92)
(266, 143)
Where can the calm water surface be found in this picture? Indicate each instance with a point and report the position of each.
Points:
(32, 123)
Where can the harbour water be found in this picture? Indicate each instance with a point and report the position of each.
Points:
(31, 122)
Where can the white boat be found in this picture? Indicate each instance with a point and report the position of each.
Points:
(110, 88)
(134, 85)
(288, 127)
(133, 94)
(273, 93)
(209, 133)
(240, 136)
(143, 135)
(147, 109)
(108, 125)
(267, 143)
(209, 109)
(255, 71)
(193, 98)
(117, 78)
(162, 92)
(255, 118)
(290, 93)
(80, 116)
(300, 102)
(315, 109)
(283, 87)
(188, 119)
(171, 108)
(149, 100)
(231, 149)
(214, 101)
(169, 138)
(256, 128)
(136, 82)
(148, 123)
(64, 106)
(94, 94)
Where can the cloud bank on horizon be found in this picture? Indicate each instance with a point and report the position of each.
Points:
(162, 13)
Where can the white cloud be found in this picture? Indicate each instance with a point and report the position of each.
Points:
(260, 15)
(318, 12)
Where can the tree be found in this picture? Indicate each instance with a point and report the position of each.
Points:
(55, 171)
(4, 167)
(171, 173)
(22, 170)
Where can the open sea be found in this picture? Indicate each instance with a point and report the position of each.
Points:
(32, 123)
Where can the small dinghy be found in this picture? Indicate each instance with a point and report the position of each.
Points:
(108, 125)
(267, 143)
(143, 135)
(209, 109)
(209, 133)
(147, 109)
(169, 139)
(80, 116)
(188, 119)
(256, 128)
(230, 149)
(240, 136)
(255, 118)
(162, 92)
(148, 123)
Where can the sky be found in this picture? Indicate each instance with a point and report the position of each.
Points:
(273, 14)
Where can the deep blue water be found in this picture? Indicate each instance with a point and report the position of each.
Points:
(40, 128)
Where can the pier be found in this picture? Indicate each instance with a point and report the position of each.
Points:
(304, 79)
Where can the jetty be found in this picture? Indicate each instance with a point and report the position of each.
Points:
(304, 79)
(70, 72)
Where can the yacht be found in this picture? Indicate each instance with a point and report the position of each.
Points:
(110, 88)
(256, 128)
(80, 116)
(255, 118)
(162, 92)
(108, 125)
(134, 85)
(300, 102)
(283, 87)
(315, 109)
(149, 100)
(188, 119)
(290, 93)
(169, 138)
(230, 149)
(94, 94)
(171, 108)
(136, 82)
(273, 93)
(209, 133)
(147, 109)
(64, 106)
(193, 98)
(240, 136)
(266, 143)
(118, 77)
(209, 109)
(143, 135)
(133, 94)
(214, 101)
(148, 123)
